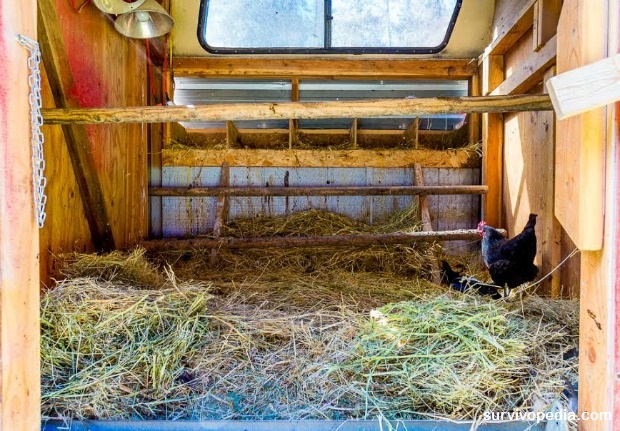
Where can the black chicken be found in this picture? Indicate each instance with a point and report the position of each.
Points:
(510, 261)
(463, 284)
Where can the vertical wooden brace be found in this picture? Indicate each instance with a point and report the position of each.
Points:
(233, 139)
(20, 396)
(221, 208)
(492, 144)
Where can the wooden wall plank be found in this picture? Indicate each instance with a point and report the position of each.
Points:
(322, 68)
(585, 172)
(579, 152)
(112, 74)
(61, 82)
(20, 393)
(317, 158)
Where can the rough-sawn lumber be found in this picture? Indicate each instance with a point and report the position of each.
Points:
(299, 110)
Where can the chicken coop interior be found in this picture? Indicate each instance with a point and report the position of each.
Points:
(314, 215)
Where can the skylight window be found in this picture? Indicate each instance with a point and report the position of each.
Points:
(326, 26)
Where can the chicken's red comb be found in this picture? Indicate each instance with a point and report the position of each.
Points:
(480, 226)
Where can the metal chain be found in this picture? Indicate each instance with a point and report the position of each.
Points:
(36, 121)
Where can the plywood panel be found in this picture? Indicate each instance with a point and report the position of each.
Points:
(20, 393)
(108, 70)
(582, 39)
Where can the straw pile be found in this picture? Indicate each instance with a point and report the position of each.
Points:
(127, 342)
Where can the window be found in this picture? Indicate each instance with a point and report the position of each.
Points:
(326, 26)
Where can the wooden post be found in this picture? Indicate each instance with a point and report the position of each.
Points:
(293, 124)
(410, 136)
(20, 396)
(474, 120)
(353, 134)
(232, 135)
(221, 209)
(492, 143)
(425, 216)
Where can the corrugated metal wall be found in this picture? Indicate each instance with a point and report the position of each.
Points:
(184, 216)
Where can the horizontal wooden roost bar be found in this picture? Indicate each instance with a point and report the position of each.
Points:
(299, 110)
(316, 191)
(169, 244)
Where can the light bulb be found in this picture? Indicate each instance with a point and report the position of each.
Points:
(142, 16)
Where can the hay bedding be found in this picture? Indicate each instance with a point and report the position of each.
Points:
(311, 335)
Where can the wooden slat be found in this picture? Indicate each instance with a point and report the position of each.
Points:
(56, 60)
(587, 87)
(511, 21)
(293, 124)
(410, 135)
(545, 21)
(323, 68)
(318, 158)
(492, 144)
(20, 396)
(418, 189)
(314, 241)
(423, 201)
(307, 110)
(530, 72)
(353, 133)
(221, 209)
(233, 138)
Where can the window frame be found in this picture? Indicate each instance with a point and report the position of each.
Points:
(201, 34)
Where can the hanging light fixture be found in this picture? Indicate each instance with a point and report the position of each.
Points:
(116, 7)
(145, 21)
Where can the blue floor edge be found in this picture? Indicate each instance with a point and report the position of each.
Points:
(300, 425)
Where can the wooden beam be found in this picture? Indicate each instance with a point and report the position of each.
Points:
(61, 82)
(20, 377)
(530, 72)
(418, 189)
(513, 20)
(545, 21)
(312, 241)
(323, 68)
(299, 110)
(492, 144)
(322, 158)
